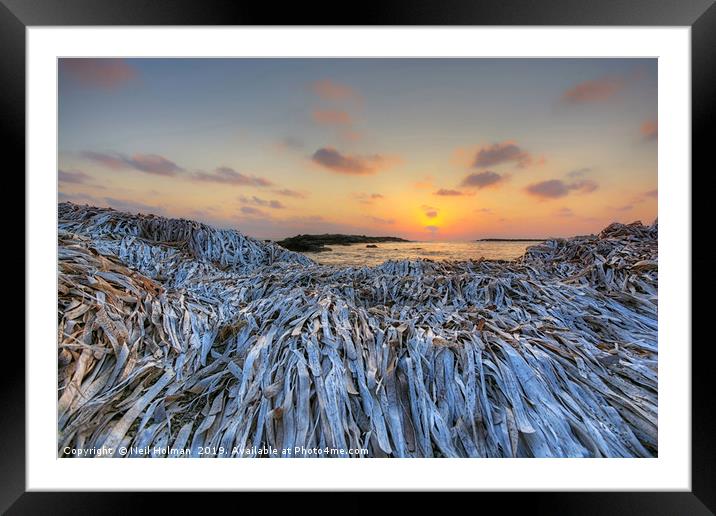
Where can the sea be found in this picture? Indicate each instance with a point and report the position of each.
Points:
(358, 255)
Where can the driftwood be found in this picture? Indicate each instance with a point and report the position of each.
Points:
(185, 340)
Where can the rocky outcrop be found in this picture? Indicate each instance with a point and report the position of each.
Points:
(318, 243)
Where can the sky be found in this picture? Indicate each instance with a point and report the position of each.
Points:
(425, 149)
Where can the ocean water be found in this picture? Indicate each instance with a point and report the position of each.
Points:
(357, 255)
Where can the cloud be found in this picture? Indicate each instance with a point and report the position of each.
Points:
(564, 212)
(72, 176)
(481, 179)
(432, 229)
(330, 90)
(499, 153)
(203, 214)
(128, 205)
(149, 163)
(154, 164)
(596, 90)
(256, 201)
(229, 176)
(584, 186)
(445, 192)
(331, 117)
(350, 135)
(80, 198)
(333, 160)
(114, 161)
(555, 188)
(340, 120)
(286, 192)
(365, 198)
(644, 196)
(106, 74)
(551, 189)
(483, 210)
(429, 211)
(290, 142)
(249, 210)
(379, 220)
(132, 206)
(650, 130)
(580, 172)
(625, 207)
(425, 183)
(309, 218)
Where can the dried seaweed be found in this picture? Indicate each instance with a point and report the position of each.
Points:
(176, 335)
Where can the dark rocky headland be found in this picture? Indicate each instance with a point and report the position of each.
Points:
(318, 243)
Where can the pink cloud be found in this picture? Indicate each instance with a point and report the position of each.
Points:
(72, 176)
(114, 161)
(350, 135)
(149, 163)
(290, 142)
(331, 117)
(107, 73)
(446, 192)
(555, 188)
(229, 176)
(333, 160)
(596, 90)
(426, 183)
(650, 130)
(154, 164)
(287, 192)
(579, 172)
(481, 180)
(365, 198)
(330, 90)
(429, 211)
(257, 201)
(564, 212)
(552, 189)
(249, 210)
(584, 186)
(378, 220)
(499, 153)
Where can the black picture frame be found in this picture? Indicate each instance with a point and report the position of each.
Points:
(700, 15)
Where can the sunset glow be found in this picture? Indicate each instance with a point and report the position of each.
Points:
(425, 149)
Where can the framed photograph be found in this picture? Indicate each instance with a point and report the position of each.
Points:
(438, 249)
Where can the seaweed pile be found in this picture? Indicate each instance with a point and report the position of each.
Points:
(177, 336)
